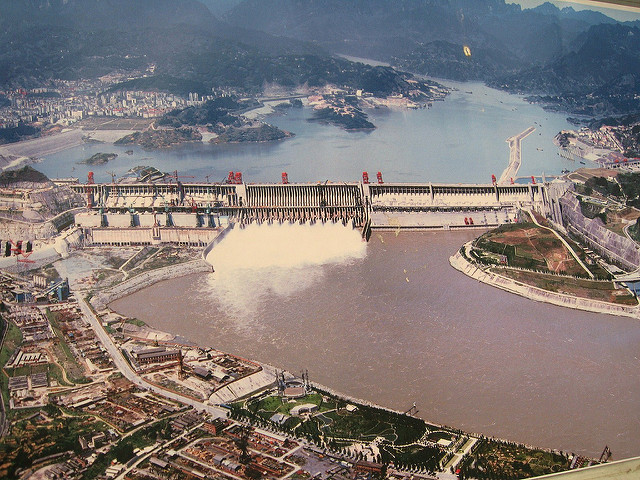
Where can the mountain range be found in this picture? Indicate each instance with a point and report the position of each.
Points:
(581, 61)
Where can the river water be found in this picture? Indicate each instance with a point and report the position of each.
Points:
(459, 140)
(390, 321)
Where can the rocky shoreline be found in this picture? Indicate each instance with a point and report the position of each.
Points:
(99, 159)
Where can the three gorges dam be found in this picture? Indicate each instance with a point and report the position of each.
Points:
(154, 212)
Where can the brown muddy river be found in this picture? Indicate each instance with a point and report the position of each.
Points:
(391, 322)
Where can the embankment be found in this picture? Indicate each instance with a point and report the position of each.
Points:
(617, 248)
(103, 298)
(459, 262)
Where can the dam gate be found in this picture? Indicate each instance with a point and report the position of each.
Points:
(416, 206)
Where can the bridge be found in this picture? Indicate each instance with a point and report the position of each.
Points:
(201, 206)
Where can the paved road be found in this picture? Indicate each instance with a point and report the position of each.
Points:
(283, 97)
(564, 242)
(458, 456)
(3, 417)
(131, 375)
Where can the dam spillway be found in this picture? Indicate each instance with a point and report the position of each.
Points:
(165, 209)
(304, 202)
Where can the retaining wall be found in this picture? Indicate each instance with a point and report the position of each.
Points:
(460, 263)
(101, 299)
(617, 248)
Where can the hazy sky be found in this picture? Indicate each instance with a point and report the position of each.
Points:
(617, 13)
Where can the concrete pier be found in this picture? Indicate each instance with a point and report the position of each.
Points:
(515, 156)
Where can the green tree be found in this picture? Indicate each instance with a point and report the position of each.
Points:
(123, 452)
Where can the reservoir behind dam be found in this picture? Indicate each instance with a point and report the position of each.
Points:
(391, 322)
(459, 140)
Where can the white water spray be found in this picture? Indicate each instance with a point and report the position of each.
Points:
(260, 261)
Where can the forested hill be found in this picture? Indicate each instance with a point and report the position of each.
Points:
(602, 77)
(582, 62)
(586, 58)
(104, 14)
(74, 39)
(191, 50)
(405, 29)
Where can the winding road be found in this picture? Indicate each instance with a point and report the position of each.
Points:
(124, 367)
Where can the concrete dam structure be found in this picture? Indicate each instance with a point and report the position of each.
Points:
(447, 206)
(141, 213)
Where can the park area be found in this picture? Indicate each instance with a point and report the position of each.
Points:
(492, 460)
(362, 431)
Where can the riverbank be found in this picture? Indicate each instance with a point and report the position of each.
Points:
(257, 384)
(462, 264)
(45, 145)
(14, 155)
(101, 299)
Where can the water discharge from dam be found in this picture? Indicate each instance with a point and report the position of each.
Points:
(276, 260)
(392, 322)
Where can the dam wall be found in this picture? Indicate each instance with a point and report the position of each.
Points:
(312, 201)
(150, 236)
(433, 196)
(38, 232)
(442, 220)
(446, 206)
(369, 206)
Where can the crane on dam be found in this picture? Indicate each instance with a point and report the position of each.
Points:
(234, 178)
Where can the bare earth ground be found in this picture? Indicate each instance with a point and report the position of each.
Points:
(110, 123)
(603, 291)
(540, 245)
(616, 221)
(584, 174)
(43, 146)
(101, 129)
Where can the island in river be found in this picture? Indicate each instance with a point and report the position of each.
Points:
(99, 158)
(349, 119)
(161, 138)
(259, 132)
